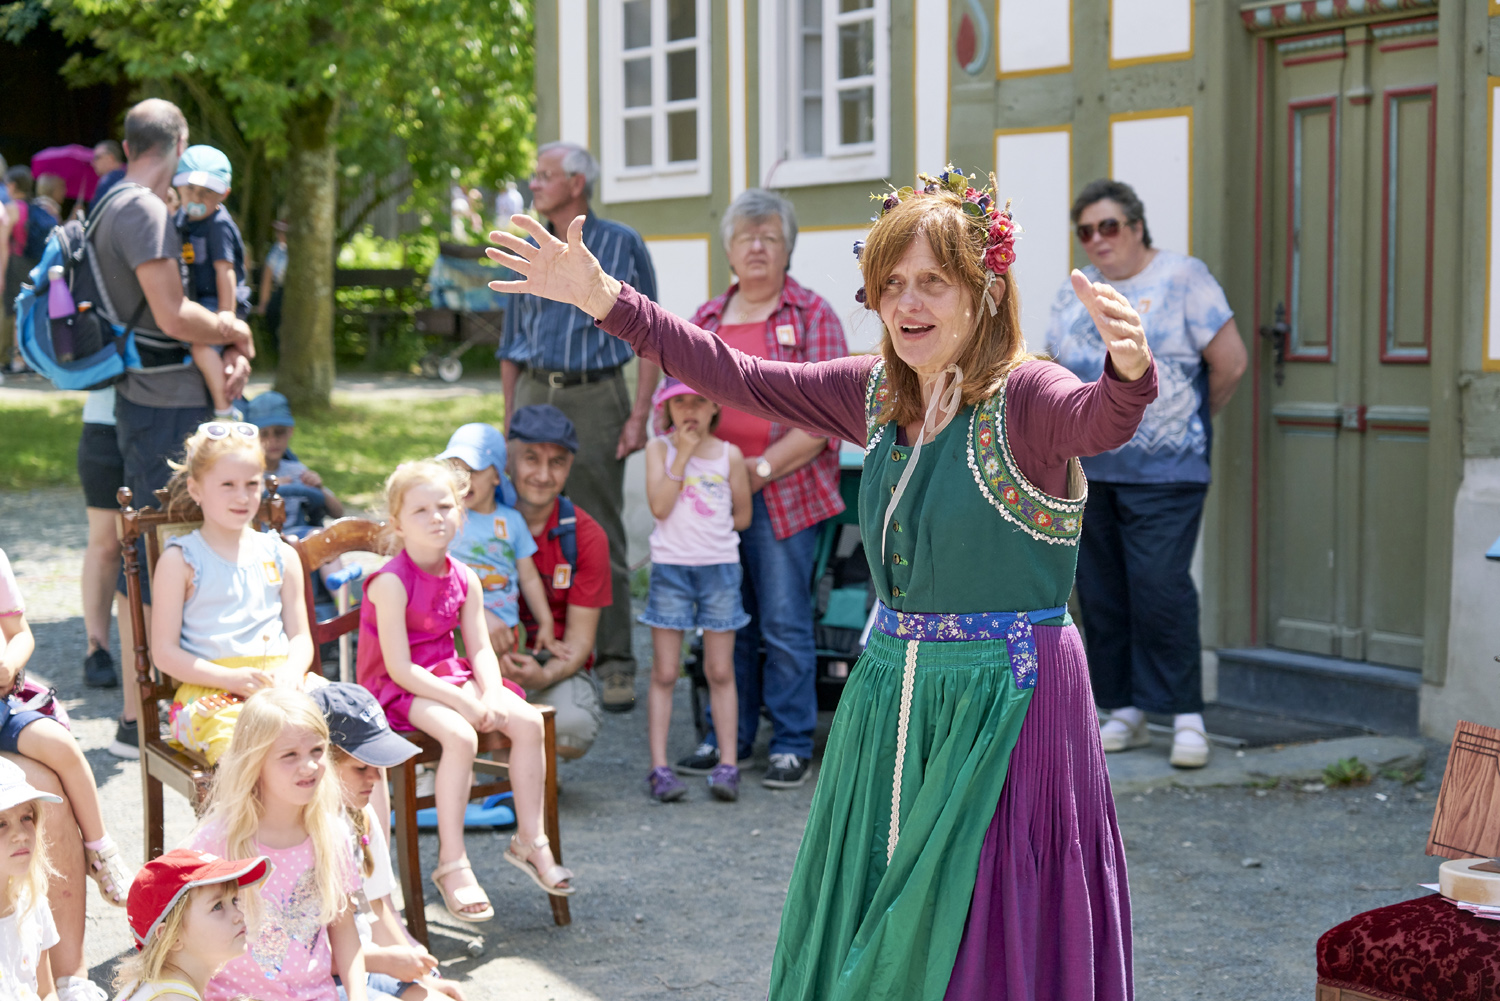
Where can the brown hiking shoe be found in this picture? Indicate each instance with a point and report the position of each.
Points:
(619, 692)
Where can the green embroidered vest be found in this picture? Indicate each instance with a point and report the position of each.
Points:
(970, 533)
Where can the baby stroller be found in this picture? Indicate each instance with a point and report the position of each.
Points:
(843, 600)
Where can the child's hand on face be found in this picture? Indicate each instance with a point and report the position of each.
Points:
(688, 438)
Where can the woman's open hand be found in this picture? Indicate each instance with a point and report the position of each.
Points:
(1118, 323)
(565, 272)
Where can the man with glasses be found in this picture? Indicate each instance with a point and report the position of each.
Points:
(1140, 607)
(552, 353)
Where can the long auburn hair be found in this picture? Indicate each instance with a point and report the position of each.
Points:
(235, 806)
(957, 241)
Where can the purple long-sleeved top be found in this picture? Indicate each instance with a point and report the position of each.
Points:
(1051, 416)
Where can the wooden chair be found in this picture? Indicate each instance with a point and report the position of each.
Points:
(352, 535)
(186, 771)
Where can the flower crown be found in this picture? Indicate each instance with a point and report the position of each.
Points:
(979, 204)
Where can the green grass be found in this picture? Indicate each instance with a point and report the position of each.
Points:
(354, 446)
(39, 442)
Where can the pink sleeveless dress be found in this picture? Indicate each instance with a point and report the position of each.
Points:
(432, 607)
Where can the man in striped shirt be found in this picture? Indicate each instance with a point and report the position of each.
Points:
(553, 353)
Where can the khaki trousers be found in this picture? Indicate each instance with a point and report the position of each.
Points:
(598, 411)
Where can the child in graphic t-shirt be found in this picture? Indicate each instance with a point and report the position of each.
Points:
(496, 543)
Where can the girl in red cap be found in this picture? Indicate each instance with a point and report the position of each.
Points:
(184, 912)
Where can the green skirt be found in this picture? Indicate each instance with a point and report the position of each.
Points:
(875, 912)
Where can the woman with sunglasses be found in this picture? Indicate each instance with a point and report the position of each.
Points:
(1140, 607)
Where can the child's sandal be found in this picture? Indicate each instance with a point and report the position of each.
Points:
(546, 880)
(108, 870)
(464, 896)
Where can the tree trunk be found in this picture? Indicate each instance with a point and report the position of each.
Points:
(305, 372)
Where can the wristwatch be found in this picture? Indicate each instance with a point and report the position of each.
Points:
(763, 468)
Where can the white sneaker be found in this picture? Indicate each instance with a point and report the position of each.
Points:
(1190, 747)
(1117, 734)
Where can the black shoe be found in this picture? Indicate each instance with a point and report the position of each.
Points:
(127, 742)
(787, 771)
(99, 670)
(702, 761)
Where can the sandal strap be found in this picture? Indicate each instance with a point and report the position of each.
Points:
(467, 896)
(448, 868)
(540, 841)
(555, 875)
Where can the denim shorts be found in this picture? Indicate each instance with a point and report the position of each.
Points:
(12, 723)
(705, 598)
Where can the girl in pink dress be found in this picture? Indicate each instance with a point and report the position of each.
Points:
(407, 659)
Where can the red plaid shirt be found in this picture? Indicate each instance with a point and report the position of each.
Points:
(810, 494)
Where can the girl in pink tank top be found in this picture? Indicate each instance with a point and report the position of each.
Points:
(408, 661)
(700, 495)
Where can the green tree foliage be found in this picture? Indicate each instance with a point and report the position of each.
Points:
(309, 95)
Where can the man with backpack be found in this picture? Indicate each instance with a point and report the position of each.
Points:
(161, 402)
(572, 557)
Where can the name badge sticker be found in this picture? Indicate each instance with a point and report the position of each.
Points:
(562, 576)
(502, 529)
(786, 335)
(273, 576)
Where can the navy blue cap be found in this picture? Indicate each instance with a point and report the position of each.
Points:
(543, 424)
(357, 725)
(270, 410)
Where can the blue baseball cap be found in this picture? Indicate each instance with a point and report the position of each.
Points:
(204, 166)
(270, 410)
(357, 725)
(478, 446)
(543, 424)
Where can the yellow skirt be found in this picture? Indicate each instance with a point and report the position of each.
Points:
(205, 730)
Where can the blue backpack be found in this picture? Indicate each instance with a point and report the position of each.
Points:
(103, 348)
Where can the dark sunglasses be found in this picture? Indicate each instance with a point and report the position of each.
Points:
(223, 429)
(1107, 228)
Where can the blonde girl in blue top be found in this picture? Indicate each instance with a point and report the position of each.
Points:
(228, 618)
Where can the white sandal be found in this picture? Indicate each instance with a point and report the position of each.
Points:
(464, 896)
(108, 870)
(557, 874)
(1187, 755)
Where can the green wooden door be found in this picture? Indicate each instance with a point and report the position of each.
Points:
(1350, 134)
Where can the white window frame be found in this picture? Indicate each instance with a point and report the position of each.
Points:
(661, 179)
(780, 48)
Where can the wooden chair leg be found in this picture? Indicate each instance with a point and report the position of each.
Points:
(560, 914)
(408, 849)
(155, 815)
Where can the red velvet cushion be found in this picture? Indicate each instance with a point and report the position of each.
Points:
(1424, 949)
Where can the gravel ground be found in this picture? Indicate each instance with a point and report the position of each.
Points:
(1230, 887)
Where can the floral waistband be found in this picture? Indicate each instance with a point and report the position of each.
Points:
(951, 626)
(1014, 628)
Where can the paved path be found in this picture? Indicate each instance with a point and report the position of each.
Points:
(683, 901)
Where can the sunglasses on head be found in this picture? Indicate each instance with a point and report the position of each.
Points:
(223, 429)
(1106, 228)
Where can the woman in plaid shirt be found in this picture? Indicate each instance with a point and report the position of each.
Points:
(794, 480)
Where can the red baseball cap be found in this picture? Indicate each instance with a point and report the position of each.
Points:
(161, 882)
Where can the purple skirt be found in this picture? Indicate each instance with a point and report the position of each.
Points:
(1050, 917)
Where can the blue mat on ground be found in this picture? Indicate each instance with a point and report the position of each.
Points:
(493, 812)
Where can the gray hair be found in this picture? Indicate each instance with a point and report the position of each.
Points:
(576, 160)
(153, 127)
(755, 205)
